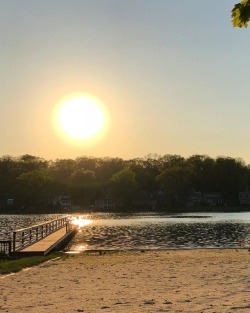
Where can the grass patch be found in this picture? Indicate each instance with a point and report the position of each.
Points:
(8, 266)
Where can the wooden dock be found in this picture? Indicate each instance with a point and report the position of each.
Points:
(42, 239)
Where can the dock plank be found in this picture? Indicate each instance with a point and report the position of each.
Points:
(47, 244)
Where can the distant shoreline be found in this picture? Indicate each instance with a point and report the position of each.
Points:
(194, 209)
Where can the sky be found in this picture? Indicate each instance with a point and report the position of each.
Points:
(172, 75)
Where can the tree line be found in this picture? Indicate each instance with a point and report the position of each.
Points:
(34, 182)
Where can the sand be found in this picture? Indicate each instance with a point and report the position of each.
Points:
(163, 281)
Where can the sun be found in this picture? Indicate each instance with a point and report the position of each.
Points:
(81, 117)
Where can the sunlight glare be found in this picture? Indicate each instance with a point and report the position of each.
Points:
(81, 117)
(81, 222)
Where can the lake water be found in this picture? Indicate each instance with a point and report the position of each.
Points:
(103, 231)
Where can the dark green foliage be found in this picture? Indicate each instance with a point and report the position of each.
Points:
(241, 14)
(230, 177)
(82, 178)
(176, 183)
(34, 182)
(202, 172)
(124, 185)
(145, 172)
(106, 167)
(34, 187)
(82, 184)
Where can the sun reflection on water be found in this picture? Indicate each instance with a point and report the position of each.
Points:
(80, 221)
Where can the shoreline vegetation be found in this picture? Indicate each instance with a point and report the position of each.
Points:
(30, 184)
(8, 265)
(151, 281)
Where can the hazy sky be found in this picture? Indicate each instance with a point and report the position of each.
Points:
(173, 75)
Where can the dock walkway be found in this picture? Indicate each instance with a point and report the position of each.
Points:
(46, 245)
(44, 241)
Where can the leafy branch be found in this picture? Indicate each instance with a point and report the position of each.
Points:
(241, 14)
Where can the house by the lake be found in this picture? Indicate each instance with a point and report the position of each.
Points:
(244, 197)
(64, 202)
(107, 203)
(205, 198)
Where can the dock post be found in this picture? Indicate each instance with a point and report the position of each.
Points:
(22, 239)
(9, 248)
(14, 241)
(30, 235)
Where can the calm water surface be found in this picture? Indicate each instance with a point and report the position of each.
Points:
(147, 230)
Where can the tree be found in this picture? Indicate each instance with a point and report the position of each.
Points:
(106, 168)
(82, 183)
(124, 186)
(34, 188)
(176, 182)
(241, 14)
(202, 172)
(145, 172)
(230, 178)
(82, 177)
(169, 161)
(61, 171)
(8, 175)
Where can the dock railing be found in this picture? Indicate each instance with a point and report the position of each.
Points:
(5, 248)
(26, 236)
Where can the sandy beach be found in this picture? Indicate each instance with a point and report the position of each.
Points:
(162, 281)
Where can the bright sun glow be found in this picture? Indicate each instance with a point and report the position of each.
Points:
(81, 117)
(81, 222)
